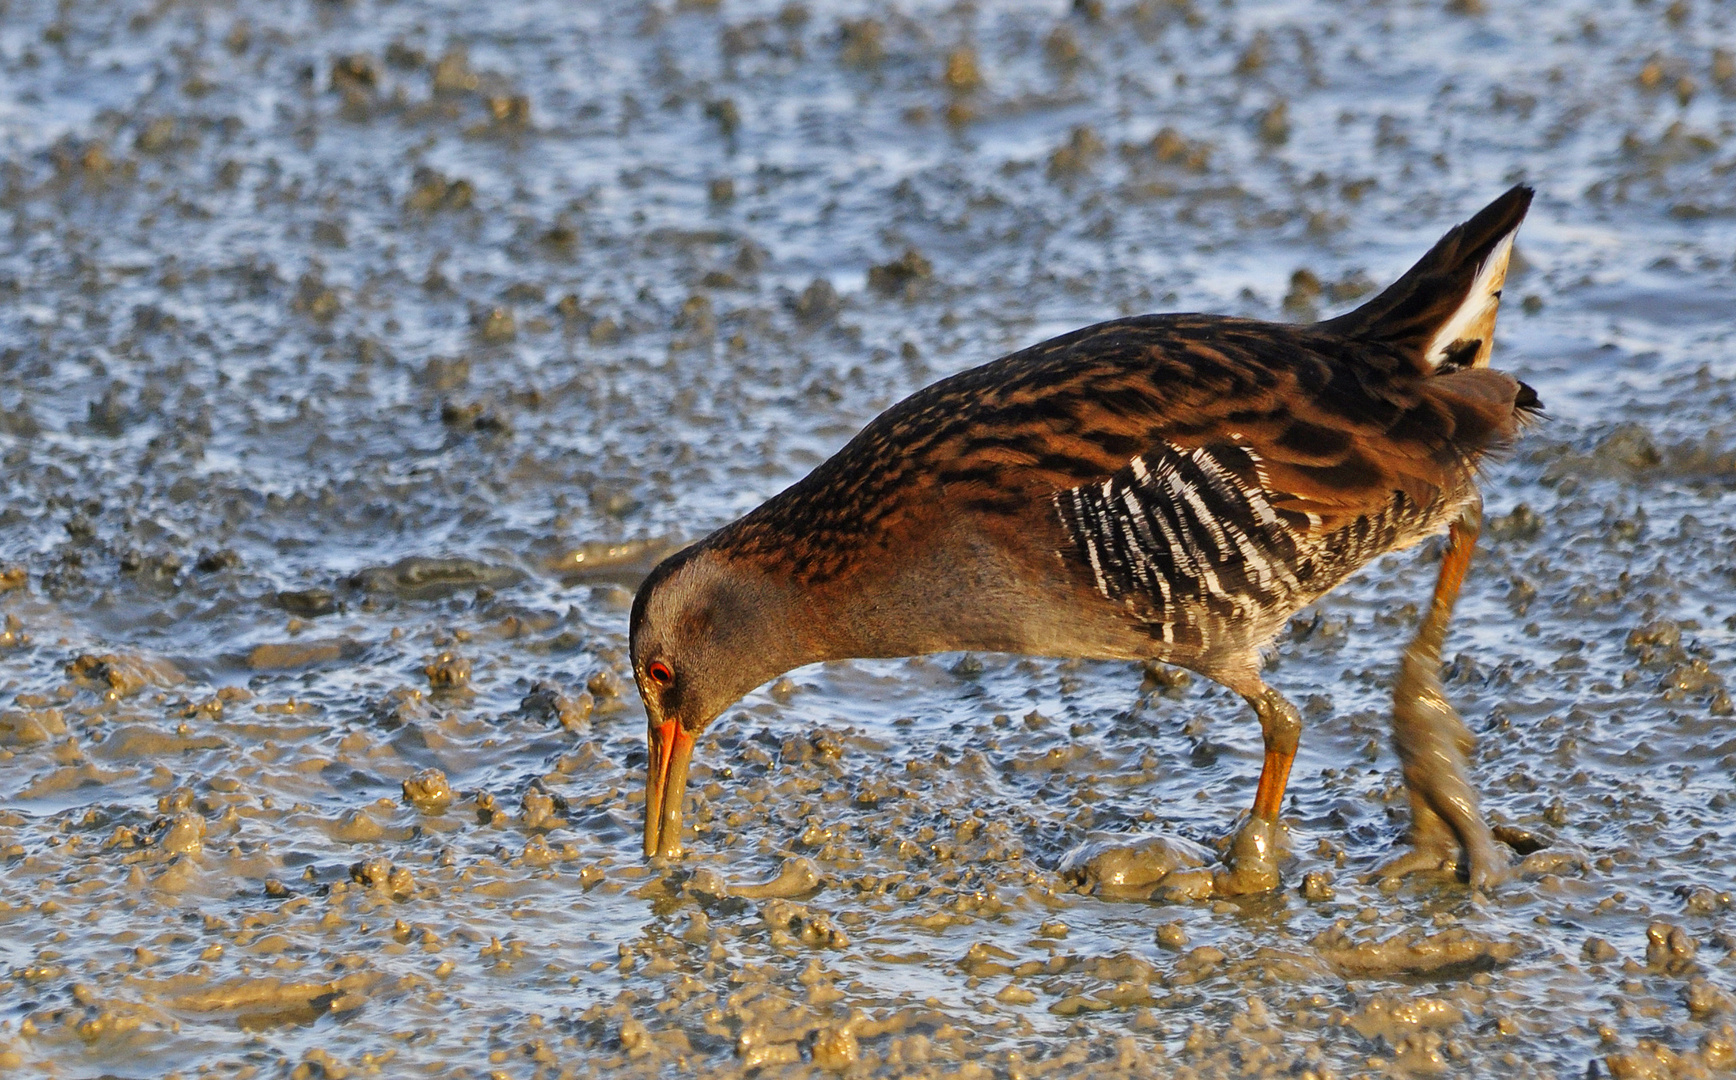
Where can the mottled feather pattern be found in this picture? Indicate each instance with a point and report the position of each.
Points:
(1166, 487)
(1202, 475)
(1338, 427)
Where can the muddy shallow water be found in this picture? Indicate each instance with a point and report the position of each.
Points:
(355, 359)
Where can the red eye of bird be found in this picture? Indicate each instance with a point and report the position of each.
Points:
(659, 673)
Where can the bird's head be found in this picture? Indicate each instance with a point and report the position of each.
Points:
(705, 631)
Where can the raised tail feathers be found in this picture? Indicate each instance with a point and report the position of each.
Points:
(1442, 311)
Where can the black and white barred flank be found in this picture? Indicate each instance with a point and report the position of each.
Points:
(1177, 532)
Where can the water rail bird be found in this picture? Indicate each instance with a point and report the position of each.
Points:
(1163, 487)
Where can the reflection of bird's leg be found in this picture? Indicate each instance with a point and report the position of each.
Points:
(1253, 859)
(1432, 741)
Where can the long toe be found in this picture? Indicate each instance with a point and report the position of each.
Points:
(1489, 865)
(1434, 845)
(1446, 843)
(1416, 861)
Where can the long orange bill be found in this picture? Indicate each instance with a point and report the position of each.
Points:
(665, 784)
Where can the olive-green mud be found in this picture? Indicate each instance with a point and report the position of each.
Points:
(355, 359)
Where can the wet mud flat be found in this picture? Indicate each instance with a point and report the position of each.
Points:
(356, 359)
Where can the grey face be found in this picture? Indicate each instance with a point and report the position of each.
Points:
(703, 634)
(687, 622)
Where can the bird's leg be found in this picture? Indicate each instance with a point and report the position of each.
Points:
(1253, 859)
(1432, 741)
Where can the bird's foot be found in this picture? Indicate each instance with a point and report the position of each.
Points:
(1448, 832)
(1437, 846)
(1252, 863)
(1417, 860)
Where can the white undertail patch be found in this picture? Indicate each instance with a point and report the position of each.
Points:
(1475, 318)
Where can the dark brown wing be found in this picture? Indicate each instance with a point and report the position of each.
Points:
(1265, 503)
(1347, 433)
(1261, 506)
(1330, 430)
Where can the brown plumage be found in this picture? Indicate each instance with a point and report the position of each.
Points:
(1169, 487)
